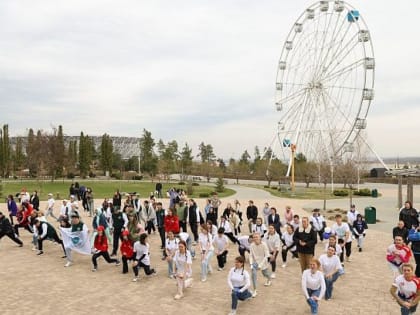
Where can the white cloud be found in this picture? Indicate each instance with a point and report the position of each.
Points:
(186, 70)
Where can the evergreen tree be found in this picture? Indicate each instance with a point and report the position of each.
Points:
(106, 153)
(147, 155)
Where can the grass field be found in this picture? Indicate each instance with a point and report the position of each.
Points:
(101, 188)
(314, 193)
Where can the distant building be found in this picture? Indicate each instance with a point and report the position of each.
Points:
(377, 172)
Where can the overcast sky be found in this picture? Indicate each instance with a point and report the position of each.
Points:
(186, 70)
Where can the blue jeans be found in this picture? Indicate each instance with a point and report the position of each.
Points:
(236, 295)
(408, 311)
(266, 273)
(329, 285)
(313, 304)
(205, 263)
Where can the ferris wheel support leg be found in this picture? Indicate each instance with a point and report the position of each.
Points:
(374, 152)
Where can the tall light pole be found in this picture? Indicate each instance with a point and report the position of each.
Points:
(293, 149)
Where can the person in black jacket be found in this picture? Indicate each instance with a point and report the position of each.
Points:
(305, 239)
(274, 219)
(409, 215)
(400, 230)
(194, 218)
(7, 229)
(251, 214)
(119, 224)
(34, 200)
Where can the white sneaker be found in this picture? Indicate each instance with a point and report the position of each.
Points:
(68, 264)
(273, 276)
(94, 269)
(34, 248)
(254, 294)
(204, 280)
(220, 269)
(135, 279)
(233, 312)
(178, 296)
(284, 265)
(267, 283)
(348, 259)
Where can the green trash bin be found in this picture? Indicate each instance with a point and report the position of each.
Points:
(370, 215)
(375, 193)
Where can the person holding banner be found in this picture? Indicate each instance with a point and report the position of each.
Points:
(75, 238)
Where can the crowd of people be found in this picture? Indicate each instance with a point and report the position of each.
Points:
(189, 235)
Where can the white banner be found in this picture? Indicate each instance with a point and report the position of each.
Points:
(78, 241)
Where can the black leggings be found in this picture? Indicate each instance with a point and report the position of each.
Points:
(150, 226)
(347, 246)
(221, 259)
(147, 270)
(12, 236)
(273, 263)
(55, 238)
(284, 254)
(231, 237)
(417, 259)
(116, 237)
(125, 263)
(26, 227)
(105, 255)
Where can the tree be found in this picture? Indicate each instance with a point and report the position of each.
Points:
(186, 160)
(5, 160)
(206, 153)
(18, 155)
(147, 155)
(31, 154)
(84, 155)
(54, 152)
(169, 157)
(106, 150)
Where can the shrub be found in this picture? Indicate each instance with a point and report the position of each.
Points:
(266, 186)
(195, 184)
(181, 183)
(137, 177)
(70, 175)
(274, 188)
(203, 195)
(219, 185)
(341, 193)
(365, 192)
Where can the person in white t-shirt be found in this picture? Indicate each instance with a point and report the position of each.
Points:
(142, 257)
(313, 285)
(171, 246)
(331, 267)
(352, 216)
(183, 270)
(332, 241)
(259, 227)
(221, 243)
(406, 290)
(49, 210)
(272, 240)
(239, 282)
(342, 230)
(205, 245)
(258, 259)
(318, 223)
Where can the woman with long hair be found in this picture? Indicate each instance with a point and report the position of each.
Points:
(239, 283)
(183, 271)
(142, 257)
(313, 285)
(205, 245)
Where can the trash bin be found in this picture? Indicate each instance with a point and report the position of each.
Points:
(370, 215)
(375, 193)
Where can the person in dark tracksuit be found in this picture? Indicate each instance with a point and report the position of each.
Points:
(6, 229)
(119, 224)
(42, 231)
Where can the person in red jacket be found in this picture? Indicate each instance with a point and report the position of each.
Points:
(24, 217)
(101, 249)
(171, 222)
(126, 250)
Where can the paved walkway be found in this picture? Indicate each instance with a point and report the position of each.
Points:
(364, 289)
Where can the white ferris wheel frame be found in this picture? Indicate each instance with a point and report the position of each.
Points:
(325, 80)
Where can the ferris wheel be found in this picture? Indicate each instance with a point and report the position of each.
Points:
(325, 81)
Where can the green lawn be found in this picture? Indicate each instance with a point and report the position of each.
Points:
(101, 188)
(302, 193)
